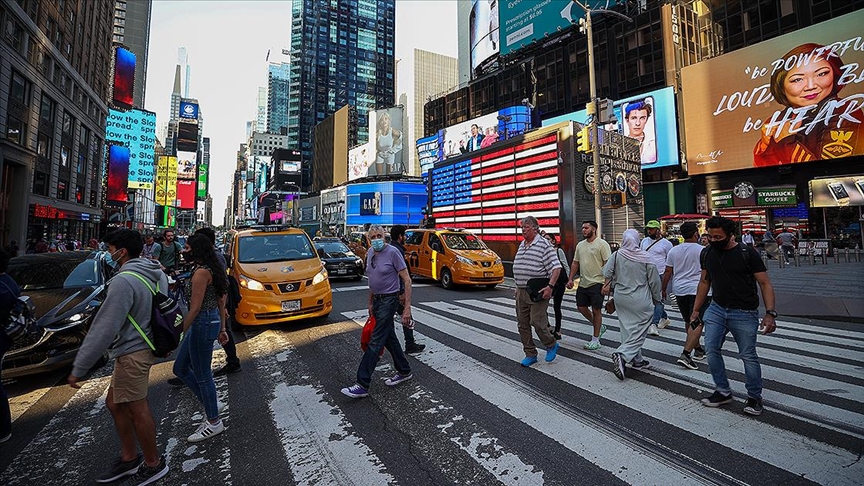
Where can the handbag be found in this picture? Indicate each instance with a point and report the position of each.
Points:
(609, 306)
(366, 335)
(535, 288)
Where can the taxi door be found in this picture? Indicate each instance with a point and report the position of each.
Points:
(414, 253)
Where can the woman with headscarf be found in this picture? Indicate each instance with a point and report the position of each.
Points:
(633, 278)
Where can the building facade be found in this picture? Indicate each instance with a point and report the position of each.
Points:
(55, 65)
(132, 29)
(342, 53)
(277, 97)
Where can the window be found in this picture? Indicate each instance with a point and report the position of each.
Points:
(62, 189)
(43, 147)
(79, 194)
(64, 156)
(46, 111)
(40, 183)
(19, 89)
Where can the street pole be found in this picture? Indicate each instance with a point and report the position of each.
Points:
(595, 131)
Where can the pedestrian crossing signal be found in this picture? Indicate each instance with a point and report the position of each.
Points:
(583, 141)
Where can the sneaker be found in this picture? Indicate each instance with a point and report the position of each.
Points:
(653, 330)
(355, 391)
(592, 345)
(551, 353)
(206, 430)
(6, 437)
(602, 330)
(529, 360)
(699, 353)
(414, 348)
(686, 361)
(176, 382)
(641, 365)
(753, 406)
(398, 378)
(717, 399)
(618, 366)
(147, 474)
(227, 370)
(120, 469)
(663, 323)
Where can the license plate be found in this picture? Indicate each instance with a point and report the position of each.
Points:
(488, 274)
(290, 305)
(341, 271)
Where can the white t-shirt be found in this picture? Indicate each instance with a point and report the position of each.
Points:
(686, 268)
(658, 252)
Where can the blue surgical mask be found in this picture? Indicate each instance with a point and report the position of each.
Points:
(378, 244)
(111, 261)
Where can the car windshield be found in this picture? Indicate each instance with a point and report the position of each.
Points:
(456, 241)
(55, 274)
(333, 249)
(274, 248)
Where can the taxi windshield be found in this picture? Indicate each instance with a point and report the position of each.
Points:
(274, 248)
(456, 241)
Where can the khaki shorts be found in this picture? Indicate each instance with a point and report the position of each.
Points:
(131, 377)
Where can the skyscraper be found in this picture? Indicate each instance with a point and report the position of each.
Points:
(277, 97)
(132, 29)
(341, 54)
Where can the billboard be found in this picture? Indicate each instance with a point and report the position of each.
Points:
(203, 180)
(124, 76)
(359, 160)
(186, 164)
(793, 99)
(648, 117)
(427, 153)
(837, 191)
(483, 131)
(483, 25)
(187, 136)
(118, 173)
(289, 166)
(186, 194)
(370, 203)
(383, 154)
(166, 181)
(188, 110)
(166, 216)
(135, 129)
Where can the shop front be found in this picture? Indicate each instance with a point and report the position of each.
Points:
(841, 201)
(50, 223)
(308, 215)
(757, 209)
(333, 211)
(385, 203)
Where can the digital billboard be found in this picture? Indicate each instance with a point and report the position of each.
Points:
(166, 181)
(792, 99)
(398, 203)
(359, 160)
(189, 110)
(383, 154)
(186, 164)
(187, 136)
(289, 166)
(427, 153)
(203, 180)
(124, 76)
(166, 216)
(135, 129)
(837, 191)
(483, 131)
(527, 21)
(186, 194)
(648, 117)
(483, 25)
(118, 174)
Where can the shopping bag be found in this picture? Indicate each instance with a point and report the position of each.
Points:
(366, 335)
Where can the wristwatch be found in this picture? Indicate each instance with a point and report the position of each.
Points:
(771, 313)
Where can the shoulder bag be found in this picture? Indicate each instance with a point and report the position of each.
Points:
(609, 307)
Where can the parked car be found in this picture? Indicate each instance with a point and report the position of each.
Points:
(339, 260)
(452, 257)
(66, 289)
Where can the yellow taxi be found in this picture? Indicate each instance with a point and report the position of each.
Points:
(452, 257)
(280, 274)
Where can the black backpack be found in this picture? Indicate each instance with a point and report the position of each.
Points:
(166, 321)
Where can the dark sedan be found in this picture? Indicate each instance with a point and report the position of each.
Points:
(338, 258)
(66, 289)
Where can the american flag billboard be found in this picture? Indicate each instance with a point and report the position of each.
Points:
(488, 194)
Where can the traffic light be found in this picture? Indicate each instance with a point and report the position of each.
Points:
(583, 140)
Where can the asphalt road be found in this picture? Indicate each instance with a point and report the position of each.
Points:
(471, 415)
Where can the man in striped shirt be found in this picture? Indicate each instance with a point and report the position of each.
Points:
(535, 258)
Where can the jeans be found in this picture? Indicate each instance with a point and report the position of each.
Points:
(659, 313)
(194, 355)
(557, 298)
(743, 324)
(409, 333)
(384, 336)
(231, 346)
(5, 414)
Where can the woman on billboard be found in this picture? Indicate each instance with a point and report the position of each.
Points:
(812, 136)
(388, 142)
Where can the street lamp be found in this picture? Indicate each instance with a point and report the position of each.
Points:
(592, 107)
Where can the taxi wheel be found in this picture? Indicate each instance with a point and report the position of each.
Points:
(446, 279)
(491, 286)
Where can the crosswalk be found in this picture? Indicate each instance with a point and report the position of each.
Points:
(472, 415)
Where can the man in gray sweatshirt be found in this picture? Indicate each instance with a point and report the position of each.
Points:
(113, 331)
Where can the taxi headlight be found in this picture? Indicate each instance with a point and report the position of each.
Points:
(466, 261)
(497, 261)
(320, 277)
(251, 284)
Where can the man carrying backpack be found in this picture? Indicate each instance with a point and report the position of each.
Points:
(112, 330)
(168, 252)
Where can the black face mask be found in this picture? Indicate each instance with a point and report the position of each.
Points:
(719, 245)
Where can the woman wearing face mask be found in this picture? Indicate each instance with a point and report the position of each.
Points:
(385, 266)
(205, 290)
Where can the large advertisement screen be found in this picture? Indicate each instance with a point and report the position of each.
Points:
(203, 178)
(124, 76)
(118, 174)
(187, 136)
(166, 181)
(483, 25)
(186, 164)
(427, 153)
(186, 194)
(359, 160)
(189, 110)
(483, 131)
(648, 117)
(383, 155)
(793, 99)
(135, 129)
(837, 191)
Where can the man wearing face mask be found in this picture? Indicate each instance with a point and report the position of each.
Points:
(112, 330)
(658, 249)
(732, 270)
(385, 267)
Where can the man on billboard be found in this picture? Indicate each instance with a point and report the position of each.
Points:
(638, 117)
(388, 143)
(474, 142)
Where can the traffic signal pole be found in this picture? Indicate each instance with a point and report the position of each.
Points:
(595, 132)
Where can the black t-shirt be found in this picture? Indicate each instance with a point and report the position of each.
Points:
(731, 274)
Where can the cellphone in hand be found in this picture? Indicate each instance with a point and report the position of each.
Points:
(696, 323)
